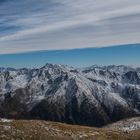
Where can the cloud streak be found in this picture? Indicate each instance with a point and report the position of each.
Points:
(67, 24)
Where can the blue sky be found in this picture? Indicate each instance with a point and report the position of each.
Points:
(31, 25)
(44, 26)
(118, 55)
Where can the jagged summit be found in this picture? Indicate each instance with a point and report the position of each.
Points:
(95, 95)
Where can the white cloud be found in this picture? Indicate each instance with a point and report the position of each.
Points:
(68, 24)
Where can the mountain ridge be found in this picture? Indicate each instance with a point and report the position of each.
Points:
(92, 96)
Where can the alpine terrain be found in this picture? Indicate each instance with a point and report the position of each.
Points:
(93, 96)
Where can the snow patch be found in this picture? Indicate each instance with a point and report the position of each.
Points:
(5, 120)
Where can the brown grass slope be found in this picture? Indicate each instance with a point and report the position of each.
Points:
(44, 130)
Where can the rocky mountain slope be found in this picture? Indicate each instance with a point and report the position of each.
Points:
(89, 96)
(44, 130)
(126, 125)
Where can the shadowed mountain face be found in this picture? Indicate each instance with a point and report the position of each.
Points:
(92, 96)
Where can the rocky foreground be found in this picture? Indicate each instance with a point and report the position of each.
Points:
(44, 130)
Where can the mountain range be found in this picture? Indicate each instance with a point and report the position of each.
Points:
(93, 96)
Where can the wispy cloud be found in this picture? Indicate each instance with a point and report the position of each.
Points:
(66, 24)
